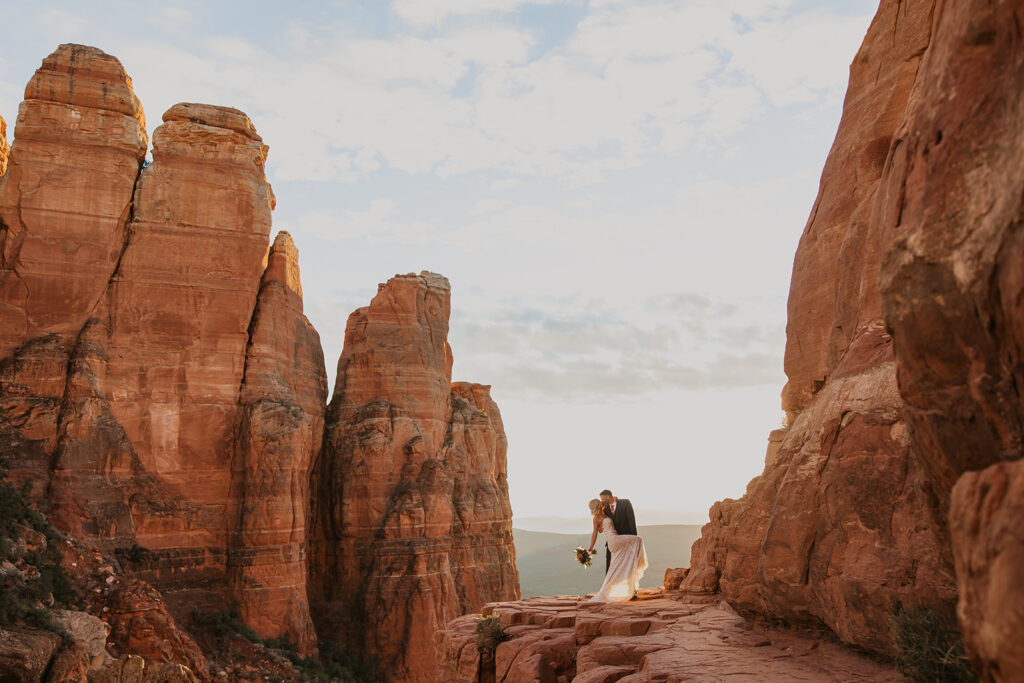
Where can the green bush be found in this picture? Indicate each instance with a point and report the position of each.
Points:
(489, 634)
(21, 601)
(135, 554)
(928, 647)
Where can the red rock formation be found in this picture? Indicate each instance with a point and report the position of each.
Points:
(64, 202)
(122, 390)
(283, 396)
(65, 199)
(140, 625)
(660, 637)
(843, 519)
(411, 482)
(953, 287)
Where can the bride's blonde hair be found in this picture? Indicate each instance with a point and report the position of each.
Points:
(595, 505)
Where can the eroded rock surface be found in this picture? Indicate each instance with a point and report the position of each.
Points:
(411, 482)
(660, 637)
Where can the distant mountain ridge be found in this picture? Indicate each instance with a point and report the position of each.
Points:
(547, 566)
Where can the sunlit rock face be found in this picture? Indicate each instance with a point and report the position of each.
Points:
(5, 148)
(846, 516)
(160, 385)
(410, 500)
(65, 200)
(66, 196)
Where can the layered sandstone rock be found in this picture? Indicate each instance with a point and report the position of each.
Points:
(64, 203)
(282, 401)
(413, 525)
(121, 375)
(658, 637)
(65, 199)
(844, 518)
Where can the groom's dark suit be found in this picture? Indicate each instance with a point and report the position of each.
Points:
(624, 523)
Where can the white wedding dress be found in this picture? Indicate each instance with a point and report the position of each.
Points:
(629, 560)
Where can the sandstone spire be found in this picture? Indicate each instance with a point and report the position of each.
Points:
(412, 522)
(66, 197)
(282, 399)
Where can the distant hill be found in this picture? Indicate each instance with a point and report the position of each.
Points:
(547, 565)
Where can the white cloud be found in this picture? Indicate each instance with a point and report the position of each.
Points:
(432, 12)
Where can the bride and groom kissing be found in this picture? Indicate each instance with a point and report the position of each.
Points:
(625, 556)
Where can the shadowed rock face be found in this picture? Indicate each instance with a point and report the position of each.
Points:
(904, 354)
(412, 519)
(844, 517)
(953, 293)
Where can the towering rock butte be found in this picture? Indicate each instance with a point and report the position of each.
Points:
(160, 385)
(904, 354)
(411, 512)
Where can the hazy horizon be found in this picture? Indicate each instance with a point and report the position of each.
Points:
(615, 190)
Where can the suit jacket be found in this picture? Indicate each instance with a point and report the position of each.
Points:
(623, 519)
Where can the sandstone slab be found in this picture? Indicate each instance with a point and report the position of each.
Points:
(660, 637)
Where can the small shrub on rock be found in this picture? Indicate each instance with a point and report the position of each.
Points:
(490, 634)
(928, 647)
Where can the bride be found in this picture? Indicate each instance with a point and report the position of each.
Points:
(629, 559)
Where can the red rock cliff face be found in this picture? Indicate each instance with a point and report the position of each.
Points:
(412, 520)
(845, 516)
(904, 354)
(158, 381)
(953, 294)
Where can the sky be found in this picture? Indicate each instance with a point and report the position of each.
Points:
(615, 190)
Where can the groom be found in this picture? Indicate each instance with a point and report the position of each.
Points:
(621, 512)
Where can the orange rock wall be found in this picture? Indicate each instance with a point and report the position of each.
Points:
(411, 482)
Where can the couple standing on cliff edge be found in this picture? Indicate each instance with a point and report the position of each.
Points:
(625, 556)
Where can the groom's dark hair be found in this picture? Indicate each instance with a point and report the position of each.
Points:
(606, 492)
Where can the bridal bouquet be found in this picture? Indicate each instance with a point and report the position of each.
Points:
(583, 556)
